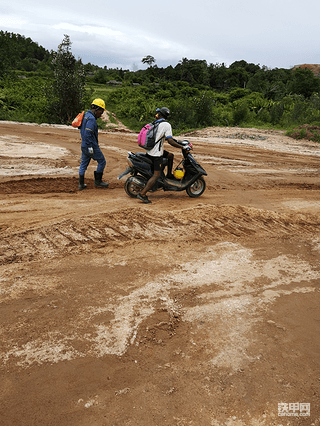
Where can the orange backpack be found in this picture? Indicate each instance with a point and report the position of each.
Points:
(78, 120)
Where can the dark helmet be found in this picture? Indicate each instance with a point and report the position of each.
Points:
(164, 112)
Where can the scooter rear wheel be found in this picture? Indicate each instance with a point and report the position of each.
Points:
(197, 188)
(132, 189)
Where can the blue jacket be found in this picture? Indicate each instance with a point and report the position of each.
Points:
(89, 130)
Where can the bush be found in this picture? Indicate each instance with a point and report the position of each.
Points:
(276, 112)
(182, 115)
(23, 100)
(240, 113)
(238, 93)
(305, 131)
(202, 107)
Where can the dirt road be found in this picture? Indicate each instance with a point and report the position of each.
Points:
(183, 312)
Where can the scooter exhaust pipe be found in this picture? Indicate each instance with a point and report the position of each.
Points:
(124, 173)
(137, 182)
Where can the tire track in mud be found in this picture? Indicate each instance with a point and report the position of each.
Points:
(203, 223)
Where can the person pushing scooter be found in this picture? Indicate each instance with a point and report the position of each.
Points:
(156, 154)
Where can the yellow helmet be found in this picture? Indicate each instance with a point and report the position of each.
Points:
(178, 173)
(99, 103)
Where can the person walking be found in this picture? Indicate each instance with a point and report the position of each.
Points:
(90, 146)
(156, 154)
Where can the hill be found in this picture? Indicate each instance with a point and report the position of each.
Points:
(19, 52)
(315, 68)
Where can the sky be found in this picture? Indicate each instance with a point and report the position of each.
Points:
(118, 34)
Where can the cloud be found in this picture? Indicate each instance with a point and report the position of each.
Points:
(122, 33)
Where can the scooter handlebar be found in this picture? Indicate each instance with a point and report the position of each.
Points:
(185, 145)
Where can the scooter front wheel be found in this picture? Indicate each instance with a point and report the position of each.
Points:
(197, 188)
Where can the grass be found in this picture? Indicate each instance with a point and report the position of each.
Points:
(96, 90)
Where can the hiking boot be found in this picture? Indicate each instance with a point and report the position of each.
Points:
(145, 199)
(82, 185)
(98, 180)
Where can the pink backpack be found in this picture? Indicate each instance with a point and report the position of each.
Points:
(143, 136)
(147, 135)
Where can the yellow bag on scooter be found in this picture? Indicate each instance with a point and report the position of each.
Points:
(178, 173)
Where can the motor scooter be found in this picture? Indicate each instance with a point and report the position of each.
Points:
(188, 174)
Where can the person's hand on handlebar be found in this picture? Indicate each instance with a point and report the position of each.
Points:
(186, 145)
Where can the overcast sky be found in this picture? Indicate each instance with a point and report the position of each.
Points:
(274, 33)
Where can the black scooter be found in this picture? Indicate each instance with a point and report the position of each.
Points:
(190, 175)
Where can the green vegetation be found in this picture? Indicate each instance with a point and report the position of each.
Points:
(239, 107)
(41, 86)
(311, 133)
(20, 53)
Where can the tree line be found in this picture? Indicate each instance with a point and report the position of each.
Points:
(38, 85)
(272, 83)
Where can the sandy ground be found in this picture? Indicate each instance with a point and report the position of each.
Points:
(183, 312)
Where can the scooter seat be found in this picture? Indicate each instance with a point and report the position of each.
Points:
(144, 157)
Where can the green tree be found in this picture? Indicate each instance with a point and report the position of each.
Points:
(68, 88)
(8, 53)
(148, 60)
(218, 76)
(193, 71)
(304, 82)
(250, 68)
(100, 76)
(237, 77)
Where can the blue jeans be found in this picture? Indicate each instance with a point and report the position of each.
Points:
(85, 160)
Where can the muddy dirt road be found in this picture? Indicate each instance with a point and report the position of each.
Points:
(182, 312)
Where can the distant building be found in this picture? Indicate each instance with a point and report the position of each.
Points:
(114, 83)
